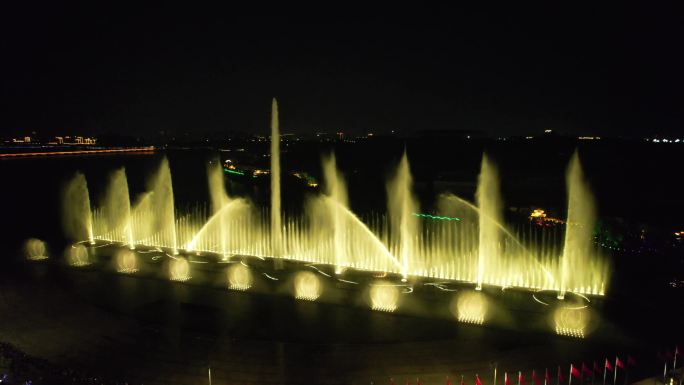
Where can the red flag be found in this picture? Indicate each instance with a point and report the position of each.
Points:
(448, 381)
(631, 361)
(391, 380)
(597, 369)
(535, 378)
(462, 381)
(586, 370)
(574, 372)
(546, 377)
(521, 378)
(477, 380)
(417, 381)
(608, 366)
(507, 381)
(619, 363)
(560, 376)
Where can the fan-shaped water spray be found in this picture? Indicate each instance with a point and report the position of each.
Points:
(116, 209)
(578, 261)
(77, 216)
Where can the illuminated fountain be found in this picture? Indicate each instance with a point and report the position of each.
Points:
(77, 255)
(488, 198)
(578, 250)
(126, 262)
(470, 307)
(307, 286)
(401, 206)
(116, 210)
(464, 241)
(77, 216)
(384, 296)
(35, 249)
(179, 269)
(338, 202)
(239, 277)
(150, 222)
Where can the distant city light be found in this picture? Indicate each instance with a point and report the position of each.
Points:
(538, 213)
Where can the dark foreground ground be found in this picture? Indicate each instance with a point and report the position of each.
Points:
(143, 329)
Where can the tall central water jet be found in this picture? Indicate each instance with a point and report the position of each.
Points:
(276, 219)
(336, 189)
(401, 205)
(488, 197)
(577, 250)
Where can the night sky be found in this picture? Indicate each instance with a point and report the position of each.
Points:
(578, 70)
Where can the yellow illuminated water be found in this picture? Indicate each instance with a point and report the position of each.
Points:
(474, 246)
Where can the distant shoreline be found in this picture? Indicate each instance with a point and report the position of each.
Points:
(148, 149)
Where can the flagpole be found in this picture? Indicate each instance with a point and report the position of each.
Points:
(605, 370)
(519, 374)
(665, 372)
(495, 374)
(570, 378)
(616, 369)
(674, 364)
(546, 375)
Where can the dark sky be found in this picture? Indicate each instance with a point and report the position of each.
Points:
(611, 71)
